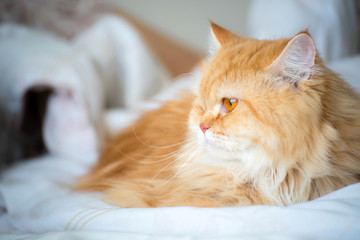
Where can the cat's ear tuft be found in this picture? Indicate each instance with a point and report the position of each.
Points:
(296, 61)
(219, 36)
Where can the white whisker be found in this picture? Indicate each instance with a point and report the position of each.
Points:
(168, 155)
(187, 140)
(164, 159)
(167, 165)
(171, 154)
(177, 171)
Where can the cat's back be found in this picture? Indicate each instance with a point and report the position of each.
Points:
(146, 148)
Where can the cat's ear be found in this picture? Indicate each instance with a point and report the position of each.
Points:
(296, 61)
(219, 36)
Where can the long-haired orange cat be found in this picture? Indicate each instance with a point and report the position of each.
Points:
(270, 124)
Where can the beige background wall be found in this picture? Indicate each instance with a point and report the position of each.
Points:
(186, 21)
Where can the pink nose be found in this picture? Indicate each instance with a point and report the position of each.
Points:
(204, 127)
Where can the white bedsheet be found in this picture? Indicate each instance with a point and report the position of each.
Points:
(38, 199)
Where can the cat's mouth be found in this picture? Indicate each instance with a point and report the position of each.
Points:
(218, 150)
(215, 143)
(224, 146)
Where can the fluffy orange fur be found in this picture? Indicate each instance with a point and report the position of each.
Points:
(294, 135)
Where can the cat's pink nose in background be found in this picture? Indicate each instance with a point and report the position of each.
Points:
(204, 127)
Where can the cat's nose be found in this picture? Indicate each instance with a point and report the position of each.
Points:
(204, 127)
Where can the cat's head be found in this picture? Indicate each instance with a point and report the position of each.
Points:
(259, 101)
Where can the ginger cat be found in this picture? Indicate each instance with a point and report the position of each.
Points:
(270, 124)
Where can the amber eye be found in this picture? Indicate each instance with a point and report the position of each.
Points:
(230, 104)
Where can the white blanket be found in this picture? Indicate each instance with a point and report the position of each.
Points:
(38, 199)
